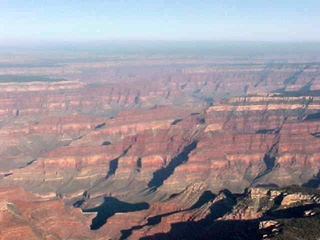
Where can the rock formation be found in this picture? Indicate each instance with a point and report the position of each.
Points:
(158, 150)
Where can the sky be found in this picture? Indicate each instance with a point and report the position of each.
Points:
(159, 20)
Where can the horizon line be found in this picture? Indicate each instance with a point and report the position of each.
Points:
(37, 42)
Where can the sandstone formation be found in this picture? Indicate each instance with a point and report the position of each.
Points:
(157, 148)
(26, 216)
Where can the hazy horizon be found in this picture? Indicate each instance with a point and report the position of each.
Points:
(48, 21)
(201, 48)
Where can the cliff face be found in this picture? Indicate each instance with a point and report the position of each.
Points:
(193, 213)
(246, 141)
(256, 140)
(35, 99)
(158, 147)
(199, 214)
(26, 216)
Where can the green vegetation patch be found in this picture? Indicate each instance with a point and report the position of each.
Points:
(300, 228)
(26, 78)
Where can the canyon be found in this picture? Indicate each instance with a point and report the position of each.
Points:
(160, 147)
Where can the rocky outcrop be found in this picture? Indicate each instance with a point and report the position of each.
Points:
(258, 213)
(192, 204)
(26, 216)
(159, 141)
(164, 149)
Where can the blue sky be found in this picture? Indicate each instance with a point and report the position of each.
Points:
(188, 20)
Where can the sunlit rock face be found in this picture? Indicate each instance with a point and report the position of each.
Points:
(26, 216)
(144, 149)
(247, 141)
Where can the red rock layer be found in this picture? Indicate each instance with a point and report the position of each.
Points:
(242, 142)
(26, 216)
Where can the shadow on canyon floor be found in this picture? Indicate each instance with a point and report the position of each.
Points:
(217, 210)
(110, 207)
(313, 182)
(229, 229)
(204, 229)
(161, 175)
